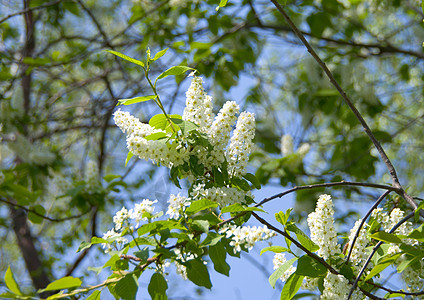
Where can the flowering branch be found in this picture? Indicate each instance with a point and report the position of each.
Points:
(299, 245)
(363, 222)
(374, 250)
(309, 253)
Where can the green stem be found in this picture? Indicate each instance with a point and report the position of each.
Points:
(157, 99)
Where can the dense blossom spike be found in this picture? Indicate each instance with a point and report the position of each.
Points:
(198, 105)
(359, 253)
(246, 236)
(241, 144)
(321, 225)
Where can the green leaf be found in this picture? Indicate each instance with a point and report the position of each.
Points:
(134, 61)
(386, 237)
(280, 271)
(84, 245)
(377, 269)
(63, 283)
(112, 261)
(198, 273)
(218, 255)
(236, 207)
(11, 284)
(94, 296)
(176, 70)
(185, 126)
(280, 217)
(160, 121)
(159, 54)
(156, 136)
(129, 155)
(307, 266)
(158, 226)
(252, 178)
(241, 183)
(136, 100)
(408, 262)
(97, 240)
(417, 234)
(303, 238)
(200, 205)
(211, 239)
(326, 93)
(291, 287)
(201, 225)
(142, 254)
(275, 249)
(110, 177)
(222, 3)
(127, 287)
(157, 287)
(35, 218)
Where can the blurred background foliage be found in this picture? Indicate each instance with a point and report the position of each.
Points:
(58, 91)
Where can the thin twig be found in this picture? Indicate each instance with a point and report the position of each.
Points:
(24, 11)
(41, 215)
(328, 184)
(374, 250)
(395, 291)
(363, 222)
(299, 245)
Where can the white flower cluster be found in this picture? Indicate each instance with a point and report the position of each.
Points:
(413, 280)
(176, 205)
(337, 287)
(219, 132)
(198, 105)
(181, 269)
(199, 111)
(123, 216)
(120, 217)
(279, 260)
(140, 209)
(359, 254)
(246, 236)
(116, 238)
(241, 144)
(155, 150)
(388, 221)
(222, 195)
(286, 146)
(321, 225)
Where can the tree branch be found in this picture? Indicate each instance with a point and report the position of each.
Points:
(40, 215)
(31, 9)
(363, 222)
(374, 250)
(352, 107)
